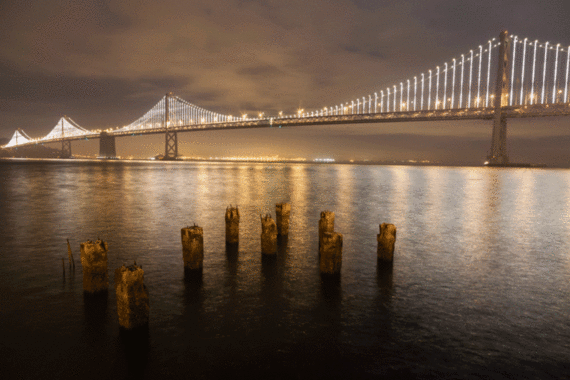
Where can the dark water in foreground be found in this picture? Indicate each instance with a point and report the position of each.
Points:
(480, 286)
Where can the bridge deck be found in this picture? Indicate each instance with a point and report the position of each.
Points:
(540, 110)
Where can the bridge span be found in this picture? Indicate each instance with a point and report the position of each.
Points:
(505, 78)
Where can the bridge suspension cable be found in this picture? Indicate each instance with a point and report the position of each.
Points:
(472, 78)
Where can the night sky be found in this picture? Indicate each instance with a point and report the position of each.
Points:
(105, 63)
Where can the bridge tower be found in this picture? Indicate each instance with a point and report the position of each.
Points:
(498, 154)
(65, 145)
(171, 137)
(66, 149)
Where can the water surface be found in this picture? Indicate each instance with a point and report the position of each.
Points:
(479, 288)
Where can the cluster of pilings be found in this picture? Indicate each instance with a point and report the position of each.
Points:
(132, 294)
(330, 242)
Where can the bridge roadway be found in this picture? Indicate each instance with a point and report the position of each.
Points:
(487, 113)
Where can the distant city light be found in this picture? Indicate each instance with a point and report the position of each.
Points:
(323, 160)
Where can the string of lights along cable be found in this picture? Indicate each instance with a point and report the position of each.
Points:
(538, 74)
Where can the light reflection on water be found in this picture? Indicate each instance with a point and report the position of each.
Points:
(480, 283)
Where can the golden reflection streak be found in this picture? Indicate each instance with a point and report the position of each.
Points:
(398, 194)
(566, 175)
(474, 229)
(433, 208)
(522, 210)
(344, 202)
(300, 232)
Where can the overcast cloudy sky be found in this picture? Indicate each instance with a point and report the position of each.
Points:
(105, 63)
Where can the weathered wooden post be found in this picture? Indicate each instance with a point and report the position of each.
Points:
(232, 225)
(326, 224)
(282, 212)
(331, 253)
(268, 235)
(386, 242)
(94, 263)
(132, 297)
(193, 248)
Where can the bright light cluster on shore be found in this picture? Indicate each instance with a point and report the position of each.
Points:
(323, 160)
(255, 158)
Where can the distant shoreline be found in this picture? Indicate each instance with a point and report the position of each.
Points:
(373, 163)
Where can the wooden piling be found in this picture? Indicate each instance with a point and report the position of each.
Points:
(386, 242)
(282, 212)
(232, 225)
(326, 224)
(268, 235)
(193, 247)
(94, 263)
(132, 297)
(331, 253)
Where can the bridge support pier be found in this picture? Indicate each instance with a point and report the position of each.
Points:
(171, 146)
(66, 149)
(498, 154)
(107, 146)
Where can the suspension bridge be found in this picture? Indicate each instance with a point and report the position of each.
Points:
(504, 78)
